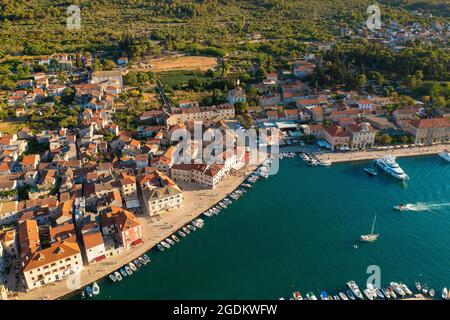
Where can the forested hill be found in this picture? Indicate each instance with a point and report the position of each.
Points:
(30, 27)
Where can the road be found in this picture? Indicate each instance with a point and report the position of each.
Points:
(167, 106)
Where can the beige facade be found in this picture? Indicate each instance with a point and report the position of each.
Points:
(430, 130)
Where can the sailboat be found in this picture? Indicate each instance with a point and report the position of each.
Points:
(372, 236)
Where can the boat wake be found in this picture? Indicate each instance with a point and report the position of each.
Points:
(423, 206)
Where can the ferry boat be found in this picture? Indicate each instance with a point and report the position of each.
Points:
(355, 289)
(371, 171)
(160, 247)
(95, 289)
(390, 166)
(118, 275)
(371, 236)
(445, 155)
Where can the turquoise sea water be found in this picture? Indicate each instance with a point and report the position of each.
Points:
(297, 231)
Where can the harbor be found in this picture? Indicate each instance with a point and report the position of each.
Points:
(242, 251)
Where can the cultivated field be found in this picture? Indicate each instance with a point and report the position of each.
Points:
(179, 63)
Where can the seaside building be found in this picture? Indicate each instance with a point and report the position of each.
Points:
(159, 192)
(208, 175)
(430, 130)
(337, 137)
(215, 113)
(123, 226)
(52, 264)
(362, 135)
(94, 247)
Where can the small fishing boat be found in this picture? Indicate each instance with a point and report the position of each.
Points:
(311, 296)
(370, 171)
(123, 272)
(169, 241)
(160, 247)
(83, 295)
(392, 293)
(137, 263)
(146, 258)
(432, 292)
(208, 214)
(444, 294)
(350, 295)
(165, 244)
(89, 292)
(297, 295)
(223, 205)
(343, 296)
(192, 228)
(142, 261)
(181, 233)
(95, 289)
(186, 230)
(132, 266)
(128, 270)
(386, 293)
(336, 297)
(323, 295)
(425, 289)
(118, 275)
(175, 238)
(398, 290)
(379, 293)
(112, 277)
(405, 288)
(368, 294)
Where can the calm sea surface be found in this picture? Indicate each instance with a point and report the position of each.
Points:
(297, 230)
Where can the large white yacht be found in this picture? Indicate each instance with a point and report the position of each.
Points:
(390, 166)
(445, 155)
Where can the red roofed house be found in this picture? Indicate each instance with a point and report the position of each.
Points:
(337, 137)
(430, 130)
(363, 135)
(122, 225)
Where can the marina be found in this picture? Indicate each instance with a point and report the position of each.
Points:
(340, 260)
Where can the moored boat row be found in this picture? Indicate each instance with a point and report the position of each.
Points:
(395, 290)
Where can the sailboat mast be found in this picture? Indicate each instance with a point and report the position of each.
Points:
(373, 225)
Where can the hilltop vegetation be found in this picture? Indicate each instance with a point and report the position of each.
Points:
(199, 26)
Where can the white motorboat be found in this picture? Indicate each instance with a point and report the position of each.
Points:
(444, 294)
(165, 244)
(132, 266)
(181, 233)
(95, 289)
(343, 296)
(169, 241)
(390, 166)
(118, 275)
(355, 289)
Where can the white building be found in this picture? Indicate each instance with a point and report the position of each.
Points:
(94, 247)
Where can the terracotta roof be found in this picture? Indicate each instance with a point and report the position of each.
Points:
(336, 131)
(57, 251)
(431, 123)
(92, 239)
(120, 217)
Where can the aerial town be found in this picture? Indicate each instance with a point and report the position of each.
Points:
(90, 192)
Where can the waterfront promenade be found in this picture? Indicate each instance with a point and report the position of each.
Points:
(196, 201)
(336, 157)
